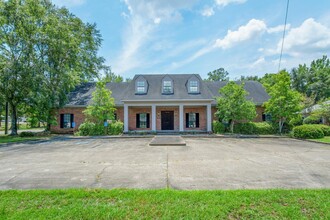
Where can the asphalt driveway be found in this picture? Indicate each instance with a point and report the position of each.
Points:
(205, 163)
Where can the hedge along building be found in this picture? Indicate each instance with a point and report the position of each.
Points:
(175, 102)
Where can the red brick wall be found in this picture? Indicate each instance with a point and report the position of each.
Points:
(132, 111)
(79, 118)
(159, 117)
(202, 117)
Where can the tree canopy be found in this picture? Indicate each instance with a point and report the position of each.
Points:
(284, 103)
(45, 51)
(232, 105)
(218, 75)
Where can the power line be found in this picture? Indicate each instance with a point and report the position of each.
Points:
(286, 18)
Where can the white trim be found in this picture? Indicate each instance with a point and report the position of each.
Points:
(181, 115)
(153, 117)
(125, 118)
(209, 117)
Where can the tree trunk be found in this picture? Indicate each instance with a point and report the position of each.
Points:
(13, 119)
(232, 126)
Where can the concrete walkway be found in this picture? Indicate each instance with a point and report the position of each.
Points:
(204, 163)
(167, 141)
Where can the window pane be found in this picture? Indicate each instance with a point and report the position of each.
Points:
(143, 120)
(140, 89)
(140, 83)
(193, 83)
(192, 120)
(67, 121)
(193, 89)
(167, 83)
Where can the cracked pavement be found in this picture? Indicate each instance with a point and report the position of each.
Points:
(205, 163)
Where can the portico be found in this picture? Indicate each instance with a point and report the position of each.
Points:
(186, 115)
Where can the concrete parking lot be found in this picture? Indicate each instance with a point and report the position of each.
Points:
(205, 163)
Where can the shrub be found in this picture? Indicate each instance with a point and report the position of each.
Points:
(91, 129)
(26, 134)
(325, 129)
(244, 128)
(254, 128)
(116, 128)
(263, 128)
(312, 119)
(308, 132)
(218, 127)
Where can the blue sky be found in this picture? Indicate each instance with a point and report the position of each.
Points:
(195, 36)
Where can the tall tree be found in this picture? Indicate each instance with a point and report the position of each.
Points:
(249, 78)
(299, 78)
(233, 106)
(18, 30)
(218, 75)
(284, 102)
(45, 52)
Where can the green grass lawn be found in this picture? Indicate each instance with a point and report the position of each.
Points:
(12, 139)
(165, 204)
(324, 140)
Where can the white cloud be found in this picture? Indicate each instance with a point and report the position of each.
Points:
(309, 37)
(69, 3)
(224, 3)
(244, 33)
(207, 12)
(260, 61)
(278, 28)
(144, 17)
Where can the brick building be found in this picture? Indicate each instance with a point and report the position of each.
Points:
(174, 102)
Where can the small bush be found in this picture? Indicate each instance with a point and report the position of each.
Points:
(26, 134)
(218, 127)
(254, 128)
(308, 132)
(116, 128)
(91, 129)
(263, 128)
(312, 119)
(325, 129)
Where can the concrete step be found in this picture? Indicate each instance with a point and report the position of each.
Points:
(167, 141)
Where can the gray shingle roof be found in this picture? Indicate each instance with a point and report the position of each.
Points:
(82, 95)
(257, 92)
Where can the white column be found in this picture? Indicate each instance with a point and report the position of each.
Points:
(181, 117)
(125, 118)
(209, 117)
(153, 117)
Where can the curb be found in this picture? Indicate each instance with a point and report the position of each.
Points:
(311, 141)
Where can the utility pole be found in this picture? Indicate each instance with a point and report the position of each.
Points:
(6, 119)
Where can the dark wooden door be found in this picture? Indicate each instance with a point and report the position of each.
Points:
(167, 120)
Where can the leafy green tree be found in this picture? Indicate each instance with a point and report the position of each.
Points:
(45, 52)
(233, 106)
(299, 78)
(268, 80)
(102, 107)
(111, 76)
(284, 103)
(218, 75)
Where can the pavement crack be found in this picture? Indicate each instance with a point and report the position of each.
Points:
(167, 175)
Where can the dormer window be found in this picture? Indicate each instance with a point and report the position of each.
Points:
(193, 87)
(167, 85)
(140, 87)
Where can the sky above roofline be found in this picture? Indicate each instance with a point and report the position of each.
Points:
(195, 36)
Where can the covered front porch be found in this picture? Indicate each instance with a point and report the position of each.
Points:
(168, 116)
